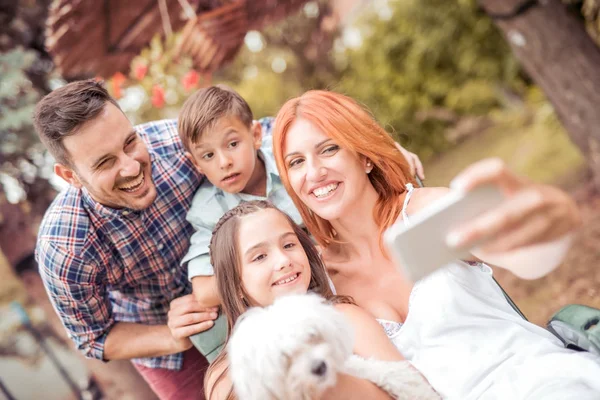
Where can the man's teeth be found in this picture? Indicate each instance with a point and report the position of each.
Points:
(283, 281)
(325, 190)
(134, 184)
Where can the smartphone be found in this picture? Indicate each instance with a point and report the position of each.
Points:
(419, 248)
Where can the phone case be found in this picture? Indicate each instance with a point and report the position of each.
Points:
(419, 247)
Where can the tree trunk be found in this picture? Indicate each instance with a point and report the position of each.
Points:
(561, 58)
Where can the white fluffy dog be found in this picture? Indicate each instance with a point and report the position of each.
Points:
(294, 349)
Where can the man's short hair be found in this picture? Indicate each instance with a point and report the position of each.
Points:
(203, 109)
(63, 111)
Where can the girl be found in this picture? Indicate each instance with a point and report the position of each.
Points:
(259, 254)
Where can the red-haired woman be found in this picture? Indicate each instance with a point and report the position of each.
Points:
(350, 183)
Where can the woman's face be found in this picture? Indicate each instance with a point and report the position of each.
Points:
(328, 179)
(273, 261)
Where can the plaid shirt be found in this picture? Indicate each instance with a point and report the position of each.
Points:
(103, 265)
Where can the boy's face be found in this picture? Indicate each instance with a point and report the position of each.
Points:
(226, 154)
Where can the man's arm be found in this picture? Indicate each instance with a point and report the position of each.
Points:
(85, 310)
(186, 317)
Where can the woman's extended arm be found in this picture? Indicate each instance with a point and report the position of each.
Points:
(528, 234)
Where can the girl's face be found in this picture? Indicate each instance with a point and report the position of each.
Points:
(327, 178)
(273, 262)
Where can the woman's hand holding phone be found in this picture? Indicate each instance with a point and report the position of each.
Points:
(531, 213)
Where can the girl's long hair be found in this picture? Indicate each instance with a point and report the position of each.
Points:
(352, 127)
(225, 259)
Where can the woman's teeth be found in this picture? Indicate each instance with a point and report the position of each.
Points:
(284, 281)
(132, 186)
(325, 190)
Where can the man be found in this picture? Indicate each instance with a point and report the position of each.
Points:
(109, 246)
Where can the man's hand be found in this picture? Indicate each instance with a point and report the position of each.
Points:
(414, 162)
(186, 318)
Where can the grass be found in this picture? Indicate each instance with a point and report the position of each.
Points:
(531, 143)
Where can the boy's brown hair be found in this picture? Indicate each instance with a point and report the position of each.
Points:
(203, 109)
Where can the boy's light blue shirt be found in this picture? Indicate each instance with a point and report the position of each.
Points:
(210, 203)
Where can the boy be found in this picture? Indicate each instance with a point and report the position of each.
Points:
(225, 144)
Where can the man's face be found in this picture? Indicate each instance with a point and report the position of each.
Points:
(111, 161)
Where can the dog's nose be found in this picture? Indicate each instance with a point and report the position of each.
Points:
(319, 368)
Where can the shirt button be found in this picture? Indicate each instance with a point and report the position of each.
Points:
(173, 270)
(125, 213)
(160, 246)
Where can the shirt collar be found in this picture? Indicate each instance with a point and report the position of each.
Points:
(270, 169)
(107, 212)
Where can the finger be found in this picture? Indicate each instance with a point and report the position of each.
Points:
(187, 304)
(419, 167)
(488, 171)
(509, 214)
(538, 229)
(411, 164)
(187, 331)
(191, 319)
(408, 157)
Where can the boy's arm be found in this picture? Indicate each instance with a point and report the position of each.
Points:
(200, 271)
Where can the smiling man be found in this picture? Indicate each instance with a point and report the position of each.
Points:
(109, 246)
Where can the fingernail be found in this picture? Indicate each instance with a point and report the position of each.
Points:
(214, 315)
(211, 322)
(454, 239)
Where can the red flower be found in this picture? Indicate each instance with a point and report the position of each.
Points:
(190, 80)
(117, 81)
(158, 96)
(140, 71)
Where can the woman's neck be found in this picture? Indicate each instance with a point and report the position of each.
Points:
(357, 230)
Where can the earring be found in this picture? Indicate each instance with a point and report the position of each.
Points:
(369, 167)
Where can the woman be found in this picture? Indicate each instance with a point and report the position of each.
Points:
(350, 184)
(259, 254)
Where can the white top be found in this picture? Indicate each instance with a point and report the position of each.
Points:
(466, 339)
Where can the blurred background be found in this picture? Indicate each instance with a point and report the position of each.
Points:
(453, 80)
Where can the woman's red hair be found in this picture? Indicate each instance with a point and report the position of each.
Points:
(352, 127)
